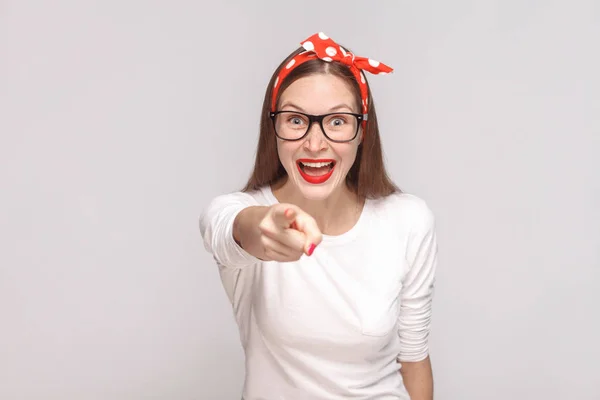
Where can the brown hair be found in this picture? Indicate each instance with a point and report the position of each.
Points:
(367, 177)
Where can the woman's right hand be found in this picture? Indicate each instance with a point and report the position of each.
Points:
(287, 232)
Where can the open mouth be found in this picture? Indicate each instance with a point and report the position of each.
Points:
(315, 171)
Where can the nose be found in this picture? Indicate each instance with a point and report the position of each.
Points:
(315, 140)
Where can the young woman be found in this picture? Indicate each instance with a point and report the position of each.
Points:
(328, 265)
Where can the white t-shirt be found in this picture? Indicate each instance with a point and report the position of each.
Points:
(333, 325)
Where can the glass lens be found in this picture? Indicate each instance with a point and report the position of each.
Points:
(340, 126)
(291, 125)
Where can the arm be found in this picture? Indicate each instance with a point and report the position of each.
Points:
(217, 226)
(282, 232)
(245, 230)
(238, 231)
(415, 311)
(418, 379)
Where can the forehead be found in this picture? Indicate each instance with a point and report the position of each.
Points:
(319, 92)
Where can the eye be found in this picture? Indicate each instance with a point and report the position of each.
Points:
(296, 120)
(337, 121)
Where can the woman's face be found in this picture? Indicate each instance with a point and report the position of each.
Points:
(316, 166)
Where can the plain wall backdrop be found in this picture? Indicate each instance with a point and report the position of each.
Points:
(120, 120)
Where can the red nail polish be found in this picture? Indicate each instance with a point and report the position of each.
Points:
(311, 249)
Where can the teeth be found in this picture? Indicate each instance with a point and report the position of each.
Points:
(316, 164)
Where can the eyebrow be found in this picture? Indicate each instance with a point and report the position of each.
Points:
(336, 108)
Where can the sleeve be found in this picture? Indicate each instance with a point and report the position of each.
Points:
(216, 228)
(417, 289)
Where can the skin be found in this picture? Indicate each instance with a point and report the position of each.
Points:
(295, 226)
(320, 94)
(418, 379)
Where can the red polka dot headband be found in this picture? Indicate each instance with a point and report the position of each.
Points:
(319, 45)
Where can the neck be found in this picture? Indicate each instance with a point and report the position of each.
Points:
(334, 215)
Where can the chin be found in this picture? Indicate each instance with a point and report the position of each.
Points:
(315, 193)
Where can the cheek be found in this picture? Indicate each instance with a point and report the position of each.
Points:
(285, 152)
(281, 151)
(348, 155)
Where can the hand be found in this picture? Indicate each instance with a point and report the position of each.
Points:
(287, 232)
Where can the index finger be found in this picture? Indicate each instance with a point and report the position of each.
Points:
(284, 216)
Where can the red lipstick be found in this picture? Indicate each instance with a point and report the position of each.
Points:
(315, 179)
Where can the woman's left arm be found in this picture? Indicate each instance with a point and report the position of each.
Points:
(418, 379)
(415, 308)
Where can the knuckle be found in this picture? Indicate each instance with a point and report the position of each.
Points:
(264, 223)
(267, 230)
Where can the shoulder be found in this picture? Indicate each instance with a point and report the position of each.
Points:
(250, 198)
(405, 210)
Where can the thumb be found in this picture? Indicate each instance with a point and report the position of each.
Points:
(307, 225)
(312, 241)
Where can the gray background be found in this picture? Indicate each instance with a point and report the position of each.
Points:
(120, 120)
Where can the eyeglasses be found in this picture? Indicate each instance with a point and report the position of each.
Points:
(337, 127)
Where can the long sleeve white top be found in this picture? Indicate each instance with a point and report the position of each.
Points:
(337, 324)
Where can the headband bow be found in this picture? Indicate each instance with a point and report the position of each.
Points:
(322, 47)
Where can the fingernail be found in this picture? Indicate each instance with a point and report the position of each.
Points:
(311, 249)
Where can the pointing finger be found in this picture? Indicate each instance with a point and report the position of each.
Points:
(284, 217)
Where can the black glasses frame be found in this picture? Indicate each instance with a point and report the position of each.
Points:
(318, 118)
